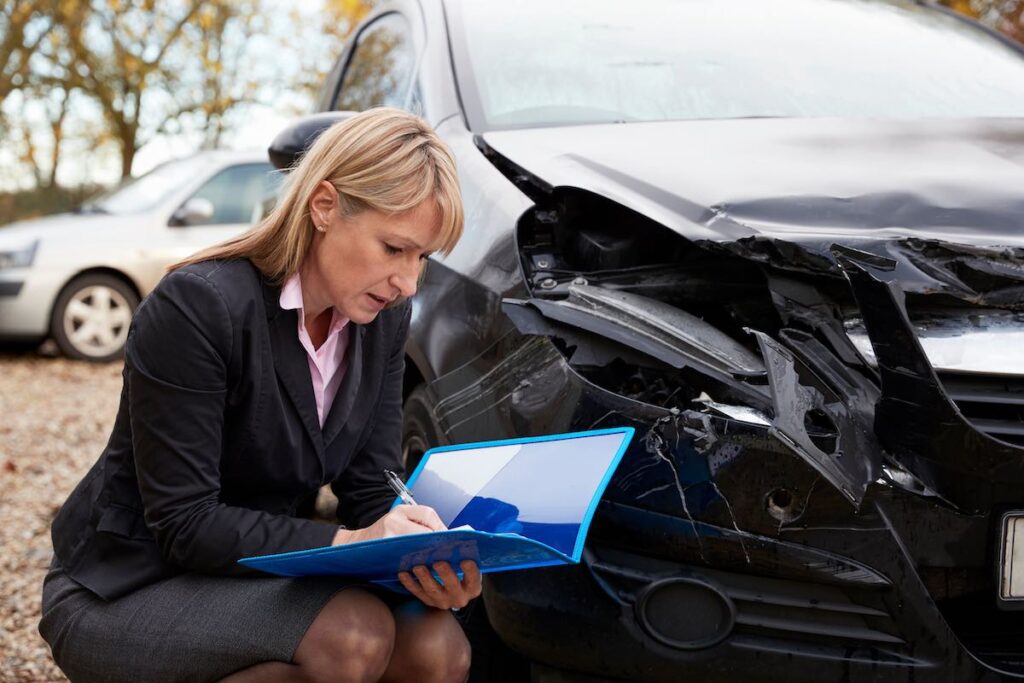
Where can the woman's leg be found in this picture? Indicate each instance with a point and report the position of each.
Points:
(429, 646)
(351, 639)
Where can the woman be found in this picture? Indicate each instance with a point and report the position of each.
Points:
(256, 372)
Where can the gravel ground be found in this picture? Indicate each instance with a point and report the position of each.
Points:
(55, 417)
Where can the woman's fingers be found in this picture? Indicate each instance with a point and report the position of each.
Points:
(453, 588)
(403, 524)
(471, 581)
(408, 519)
(450, 591)
(423, 514)
(436, 594)
(429, 584)
(413, 586)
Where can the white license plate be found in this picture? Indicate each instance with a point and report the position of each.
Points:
(1011, 558)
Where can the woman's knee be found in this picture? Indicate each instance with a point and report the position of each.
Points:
(432, 647)
(350, 640)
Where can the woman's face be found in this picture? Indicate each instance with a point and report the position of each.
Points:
(359, 264)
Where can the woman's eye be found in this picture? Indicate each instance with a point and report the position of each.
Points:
(391, 249)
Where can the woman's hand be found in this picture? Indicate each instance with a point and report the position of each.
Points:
(400, 520)
(452, 594)
(417, 519)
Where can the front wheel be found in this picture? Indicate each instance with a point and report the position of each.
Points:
(91, 317)
(420, 429)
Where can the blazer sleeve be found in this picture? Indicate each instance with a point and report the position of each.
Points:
(363, 495)
(177, 358)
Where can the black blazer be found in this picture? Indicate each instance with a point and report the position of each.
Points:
(217, 447)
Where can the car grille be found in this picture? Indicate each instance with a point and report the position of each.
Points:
(993, 404)
(783, 615)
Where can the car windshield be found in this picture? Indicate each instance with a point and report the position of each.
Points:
(536, 62)
(148, 190)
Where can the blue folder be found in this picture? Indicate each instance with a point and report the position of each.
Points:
(529, 503)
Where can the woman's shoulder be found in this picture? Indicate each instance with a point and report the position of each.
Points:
(234, 280)
(223, 272)
(209, 293)
(196, 306)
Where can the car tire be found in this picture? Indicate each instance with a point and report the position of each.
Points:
(91, 317)
(420, 429)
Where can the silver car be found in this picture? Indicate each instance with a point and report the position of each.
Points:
(78, 276)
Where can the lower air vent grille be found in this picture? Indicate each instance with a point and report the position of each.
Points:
(993, 404)
(768, 612)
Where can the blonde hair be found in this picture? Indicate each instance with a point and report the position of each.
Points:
(383, 159)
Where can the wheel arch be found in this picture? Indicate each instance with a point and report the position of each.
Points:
(95, 270)
(413, 376)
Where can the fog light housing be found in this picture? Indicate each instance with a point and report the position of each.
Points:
(685, 613)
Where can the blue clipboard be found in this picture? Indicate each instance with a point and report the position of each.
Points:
(527, 502)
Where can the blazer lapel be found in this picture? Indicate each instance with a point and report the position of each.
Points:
(292, 367)
(346, 397)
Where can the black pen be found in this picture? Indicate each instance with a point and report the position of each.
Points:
(395, 482)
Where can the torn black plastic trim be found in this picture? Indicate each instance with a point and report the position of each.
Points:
(915, 419)
(803, 412)
(800, 303)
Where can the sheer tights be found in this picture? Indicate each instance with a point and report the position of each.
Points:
(356, 638)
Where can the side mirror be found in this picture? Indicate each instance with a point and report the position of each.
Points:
(193, 212)
(292, 142)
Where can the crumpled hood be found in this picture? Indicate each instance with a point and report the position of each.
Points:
(802, 180)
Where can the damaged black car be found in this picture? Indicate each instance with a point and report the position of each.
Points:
(785, 242)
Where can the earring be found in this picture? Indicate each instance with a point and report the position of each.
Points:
(321, 228)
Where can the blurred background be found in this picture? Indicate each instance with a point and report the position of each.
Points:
(93, 92)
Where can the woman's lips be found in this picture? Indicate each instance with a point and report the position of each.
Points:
(380, 301)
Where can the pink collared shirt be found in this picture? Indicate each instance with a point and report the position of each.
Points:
(326, 364)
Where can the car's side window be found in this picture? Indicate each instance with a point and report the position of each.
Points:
(381, 67)
(237, 193)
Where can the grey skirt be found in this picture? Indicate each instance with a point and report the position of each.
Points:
(188, 628)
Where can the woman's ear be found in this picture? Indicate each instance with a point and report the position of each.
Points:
(323, 204)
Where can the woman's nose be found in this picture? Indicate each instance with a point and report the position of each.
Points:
(406, 279)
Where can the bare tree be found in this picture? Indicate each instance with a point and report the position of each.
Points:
(113, 74)
(121, 52)
(47, 87)
(24, 26)
(224, 71)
